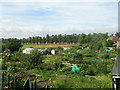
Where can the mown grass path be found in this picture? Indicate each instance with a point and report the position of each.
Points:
(48, 45)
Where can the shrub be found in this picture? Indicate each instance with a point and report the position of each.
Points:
(30, 61)
(6, 55)
(15, 56)
(53, 62)
(105, 56)
(66, 69)
(3, 64)
(13, 69)
(59, 48)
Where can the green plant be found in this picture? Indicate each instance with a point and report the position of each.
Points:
(66, 69)
(105, 56)
(15, 56)
(13, 69)
(30, 61)
(53, 62)
(3, 64)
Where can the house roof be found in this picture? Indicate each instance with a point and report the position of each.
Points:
(116, 44)
(113, 38)
(108, 47)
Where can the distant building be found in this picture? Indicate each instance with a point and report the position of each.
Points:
(117, 44)
(28, 50)
(53, 51)
(116, 40)
(66, 48)
(113, 38)
(41, 50)
(87, 48)
(109, 48)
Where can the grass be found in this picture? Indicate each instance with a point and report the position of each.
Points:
(73, 80)
(48, 45)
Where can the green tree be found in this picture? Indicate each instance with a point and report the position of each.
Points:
(110, 43)
(53, 62)
(83, 39)
(30, 61)
(107, 43)
(117, 34)
(104, 43)
(13, 44)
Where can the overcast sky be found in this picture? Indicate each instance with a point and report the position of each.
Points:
(24, 19)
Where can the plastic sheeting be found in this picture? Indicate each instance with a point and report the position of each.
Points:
(75, 68)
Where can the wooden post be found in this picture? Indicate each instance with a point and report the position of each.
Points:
(14, 82)
(3, 77)
(34, 85)
(31, 85)
(0, 79)
(46, 86)
(8, 80)
(26, 85)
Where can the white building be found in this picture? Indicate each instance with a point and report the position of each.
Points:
(41, 50)
(27, 50)
(53, 51)
(66, 48)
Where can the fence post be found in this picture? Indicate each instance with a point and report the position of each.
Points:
(8, 80)
(3, 77)
(34, 85)
(0, 79)
(26, 85)
(14, 82)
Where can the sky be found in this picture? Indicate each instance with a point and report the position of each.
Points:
(22, 19)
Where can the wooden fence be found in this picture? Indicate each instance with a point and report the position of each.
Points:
(10, 82)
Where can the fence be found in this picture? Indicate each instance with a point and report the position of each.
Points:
(10, 82)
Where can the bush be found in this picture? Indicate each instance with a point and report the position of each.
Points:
(88, 53)
(15, 56)
(95, 68)
(3, 64)
(13, 69)
(6, 55)
(30, 61)
(66, 69)
(59, 48)
(53, 62)
(105, 56)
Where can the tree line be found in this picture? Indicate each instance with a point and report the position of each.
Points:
(95, 40)
(59, 39)
(54, 39)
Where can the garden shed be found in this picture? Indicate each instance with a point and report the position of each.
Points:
(53, 51)
(27, 50)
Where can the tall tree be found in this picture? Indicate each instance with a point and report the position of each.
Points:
(117, 34)
(83, 39)
(13, 44)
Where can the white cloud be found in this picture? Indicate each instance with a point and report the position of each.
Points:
(67, 18)
(60, 1)
(33, 30)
